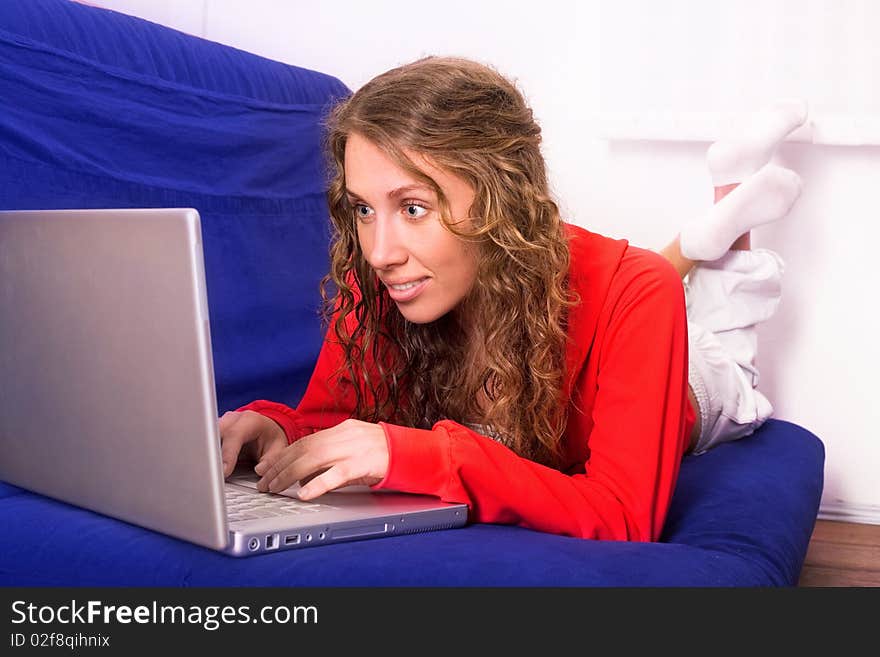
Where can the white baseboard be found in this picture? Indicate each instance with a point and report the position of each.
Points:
(843, 512)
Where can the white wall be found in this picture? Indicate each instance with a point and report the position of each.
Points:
(184, 15)
(629, 94)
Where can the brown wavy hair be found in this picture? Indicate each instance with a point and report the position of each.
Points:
(469, 120)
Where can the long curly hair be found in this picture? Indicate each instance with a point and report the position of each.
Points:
(466, 119)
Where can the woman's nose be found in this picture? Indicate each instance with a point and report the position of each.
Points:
(388, 246)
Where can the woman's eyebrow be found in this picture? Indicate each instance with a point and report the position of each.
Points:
(400, 191)
(394, 193)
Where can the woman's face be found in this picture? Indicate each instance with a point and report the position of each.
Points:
(426, 269)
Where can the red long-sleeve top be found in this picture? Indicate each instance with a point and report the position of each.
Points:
(629, 418)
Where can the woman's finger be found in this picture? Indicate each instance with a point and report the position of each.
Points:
(295, 462)
(231, 440)
(236, 431)
(331, 479)
(308, 478)
(270, 455)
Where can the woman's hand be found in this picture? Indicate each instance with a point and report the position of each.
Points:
(250, 434)
(352, 452)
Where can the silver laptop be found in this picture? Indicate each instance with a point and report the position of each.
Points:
(107, 397)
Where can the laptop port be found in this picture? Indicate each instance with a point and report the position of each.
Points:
(292, 539)
(254, 544)
(271, 541)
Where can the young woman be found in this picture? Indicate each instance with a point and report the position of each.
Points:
(480, 349)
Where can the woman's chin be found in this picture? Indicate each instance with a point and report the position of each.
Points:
(421, 313)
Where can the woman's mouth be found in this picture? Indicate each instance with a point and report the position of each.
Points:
(406, 291)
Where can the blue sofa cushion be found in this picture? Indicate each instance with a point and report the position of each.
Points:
(742, 515)
(107, 110)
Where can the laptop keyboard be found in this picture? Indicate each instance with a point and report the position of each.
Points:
(248, 505)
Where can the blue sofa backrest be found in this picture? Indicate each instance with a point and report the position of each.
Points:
(104, 110)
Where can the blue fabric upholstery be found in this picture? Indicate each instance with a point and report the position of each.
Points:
(105, 110)
(741, 516)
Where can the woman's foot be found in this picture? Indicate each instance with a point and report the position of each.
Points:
(763, 197)
(734, 159)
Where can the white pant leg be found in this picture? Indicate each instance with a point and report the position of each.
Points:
(725, 300)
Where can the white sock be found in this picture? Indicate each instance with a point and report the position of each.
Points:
(733, 160)
(763, 197)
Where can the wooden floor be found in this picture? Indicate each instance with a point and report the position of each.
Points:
(842, 554)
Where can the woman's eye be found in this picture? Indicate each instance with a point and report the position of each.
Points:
(415, 211)
(362, 211)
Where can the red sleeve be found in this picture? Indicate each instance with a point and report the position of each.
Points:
(640, 423)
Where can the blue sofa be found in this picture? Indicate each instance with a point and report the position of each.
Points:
(100, 109)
